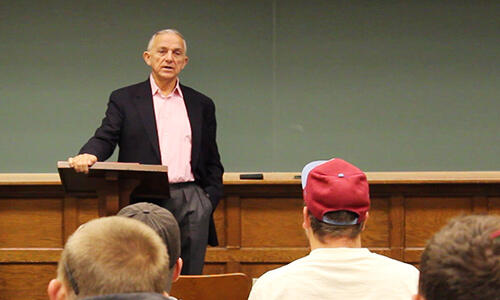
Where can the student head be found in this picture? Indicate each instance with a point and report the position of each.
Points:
(165, 225)
(337, 200)
(462, 260)
(110, 255)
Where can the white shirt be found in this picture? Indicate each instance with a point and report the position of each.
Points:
(339, 273)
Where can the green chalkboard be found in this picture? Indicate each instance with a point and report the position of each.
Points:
(387, 85)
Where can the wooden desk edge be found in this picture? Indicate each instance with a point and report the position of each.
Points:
(287, 178)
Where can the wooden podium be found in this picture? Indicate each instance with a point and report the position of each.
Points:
(115, 183)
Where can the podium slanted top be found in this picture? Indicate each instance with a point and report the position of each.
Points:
(155, 176)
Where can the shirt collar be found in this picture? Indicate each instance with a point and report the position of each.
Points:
(339, 251)
(155, 89)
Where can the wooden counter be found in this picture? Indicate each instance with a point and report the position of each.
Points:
(258, 221)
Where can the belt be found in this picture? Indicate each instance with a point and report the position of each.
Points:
(178, 185)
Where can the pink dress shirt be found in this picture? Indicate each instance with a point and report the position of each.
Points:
(174, 132)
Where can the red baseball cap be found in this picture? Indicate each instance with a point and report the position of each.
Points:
(335, 185)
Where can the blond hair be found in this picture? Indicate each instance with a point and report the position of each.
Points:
(113, 255)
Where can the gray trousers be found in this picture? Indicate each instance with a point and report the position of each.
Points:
(191, 207)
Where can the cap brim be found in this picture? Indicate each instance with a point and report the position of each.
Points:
(307, 168)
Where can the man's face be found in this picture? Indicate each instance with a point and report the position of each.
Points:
(167, 57)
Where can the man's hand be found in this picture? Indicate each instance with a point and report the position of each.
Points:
(82, 162)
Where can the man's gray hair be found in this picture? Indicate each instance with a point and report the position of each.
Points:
(174, 31)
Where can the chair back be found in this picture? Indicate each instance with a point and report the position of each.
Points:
(231, 286)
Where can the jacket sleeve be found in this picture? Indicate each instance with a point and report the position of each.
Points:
(213, 165)
(106, 137)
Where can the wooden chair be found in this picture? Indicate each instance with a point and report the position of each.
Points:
(231, 286)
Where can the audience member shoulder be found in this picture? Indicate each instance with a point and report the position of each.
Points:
(395, 266)
(289, 270)
(131, 296)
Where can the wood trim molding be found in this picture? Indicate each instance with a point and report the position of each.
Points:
(272, 178)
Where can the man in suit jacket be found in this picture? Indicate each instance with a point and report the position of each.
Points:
(160, 121)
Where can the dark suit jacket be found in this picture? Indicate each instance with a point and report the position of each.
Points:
(130, 123)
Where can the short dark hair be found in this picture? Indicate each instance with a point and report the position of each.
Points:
(323, 230)
(462, 260)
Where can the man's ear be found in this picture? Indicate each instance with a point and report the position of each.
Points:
(306, 223)
(186, 60)
(147, 58)
(177, 270)
(56, 290)
(366, 220)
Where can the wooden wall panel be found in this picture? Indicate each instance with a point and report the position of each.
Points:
(220, 222)
(273, 222)
(25, 281)
(425, 216)
(232, 226)
(78, 211)
(494, 205)
(214, 268)
(26, 223)
(376, 233)
(256, 270)
(88, 209)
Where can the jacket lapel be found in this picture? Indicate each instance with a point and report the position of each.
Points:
(193, 109)
(145, 107)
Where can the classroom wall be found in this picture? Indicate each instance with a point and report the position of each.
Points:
(388, 85)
